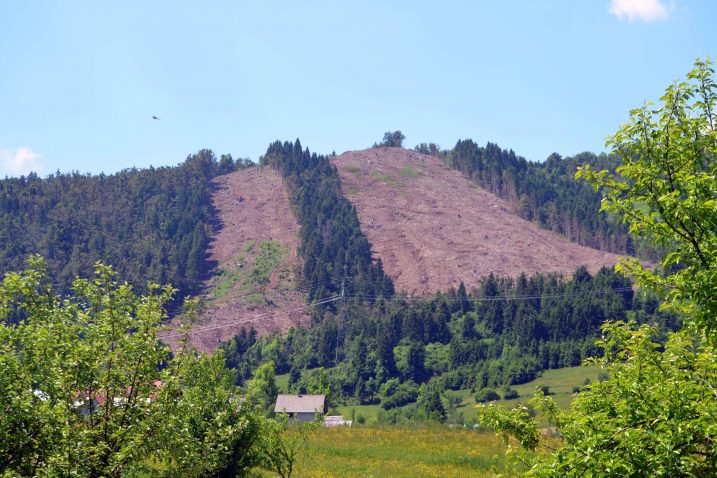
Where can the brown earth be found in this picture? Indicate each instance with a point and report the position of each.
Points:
(433, 228)
(256, 253)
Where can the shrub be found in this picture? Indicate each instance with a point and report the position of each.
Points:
(510, 394)
(486, 395)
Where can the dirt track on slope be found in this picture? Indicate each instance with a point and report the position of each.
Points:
(433, 228)
(253, 208)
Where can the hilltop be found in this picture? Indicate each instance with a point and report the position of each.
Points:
(432, 227)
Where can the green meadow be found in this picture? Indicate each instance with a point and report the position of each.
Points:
(401, 452)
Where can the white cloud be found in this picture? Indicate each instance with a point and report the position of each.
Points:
(644, 10)
(20, 161)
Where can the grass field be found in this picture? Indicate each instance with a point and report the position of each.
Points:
(560, 381)
(422, 450)
(369, 412)
(401, 452)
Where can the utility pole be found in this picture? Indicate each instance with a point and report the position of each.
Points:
(338, 326)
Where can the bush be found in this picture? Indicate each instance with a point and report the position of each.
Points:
(405, 393)
(545, 390)
(392, 139)
(486, 395)
(510, 394)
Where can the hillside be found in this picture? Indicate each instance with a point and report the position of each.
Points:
(255, 249)
(432, 227)
(149, 224)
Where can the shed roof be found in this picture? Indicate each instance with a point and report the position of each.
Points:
(299, 403)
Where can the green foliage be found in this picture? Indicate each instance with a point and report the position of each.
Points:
(384, 177)
(410, 172)
(391, 139)
(653, 415)
(263, 387)
(512, 394)
(431, 149)
(402, 394)
(438, 358)
(430, 403)
(352, 169)
(318, 382)
(453, 399)
(282, 444)
(87, 390)
(152, 224)
(486, 395)
(458, 339)
(207, 429)
(665, 189)
(656, 408)
(249, 271)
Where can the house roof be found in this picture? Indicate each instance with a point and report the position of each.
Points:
(299, 403)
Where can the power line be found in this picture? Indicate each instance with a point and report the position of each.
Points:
(503, 298)
(312, 287)
(343, 297)
(252, 319)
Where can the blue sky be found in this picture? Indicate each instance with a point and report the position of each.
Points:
(81, 80)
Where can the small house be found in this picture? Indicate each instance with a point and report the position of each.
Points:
(303, 408)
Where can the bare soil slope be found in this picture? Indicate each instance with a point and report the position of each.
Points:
(256, 253)
(433, 228)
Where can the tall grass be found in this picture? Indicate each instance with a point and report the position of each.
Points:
(401, 452)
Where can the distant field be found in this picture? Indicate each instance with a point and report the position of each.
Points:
(560, 381)
(401, 452)
(369, 412)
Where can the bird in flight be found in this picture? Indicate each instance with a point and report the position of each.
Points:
(154, 117)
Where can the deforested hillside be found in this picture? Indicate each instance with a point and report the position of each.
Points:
(255, 249)
(475, 326)
(547, 193)
(432, 227)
